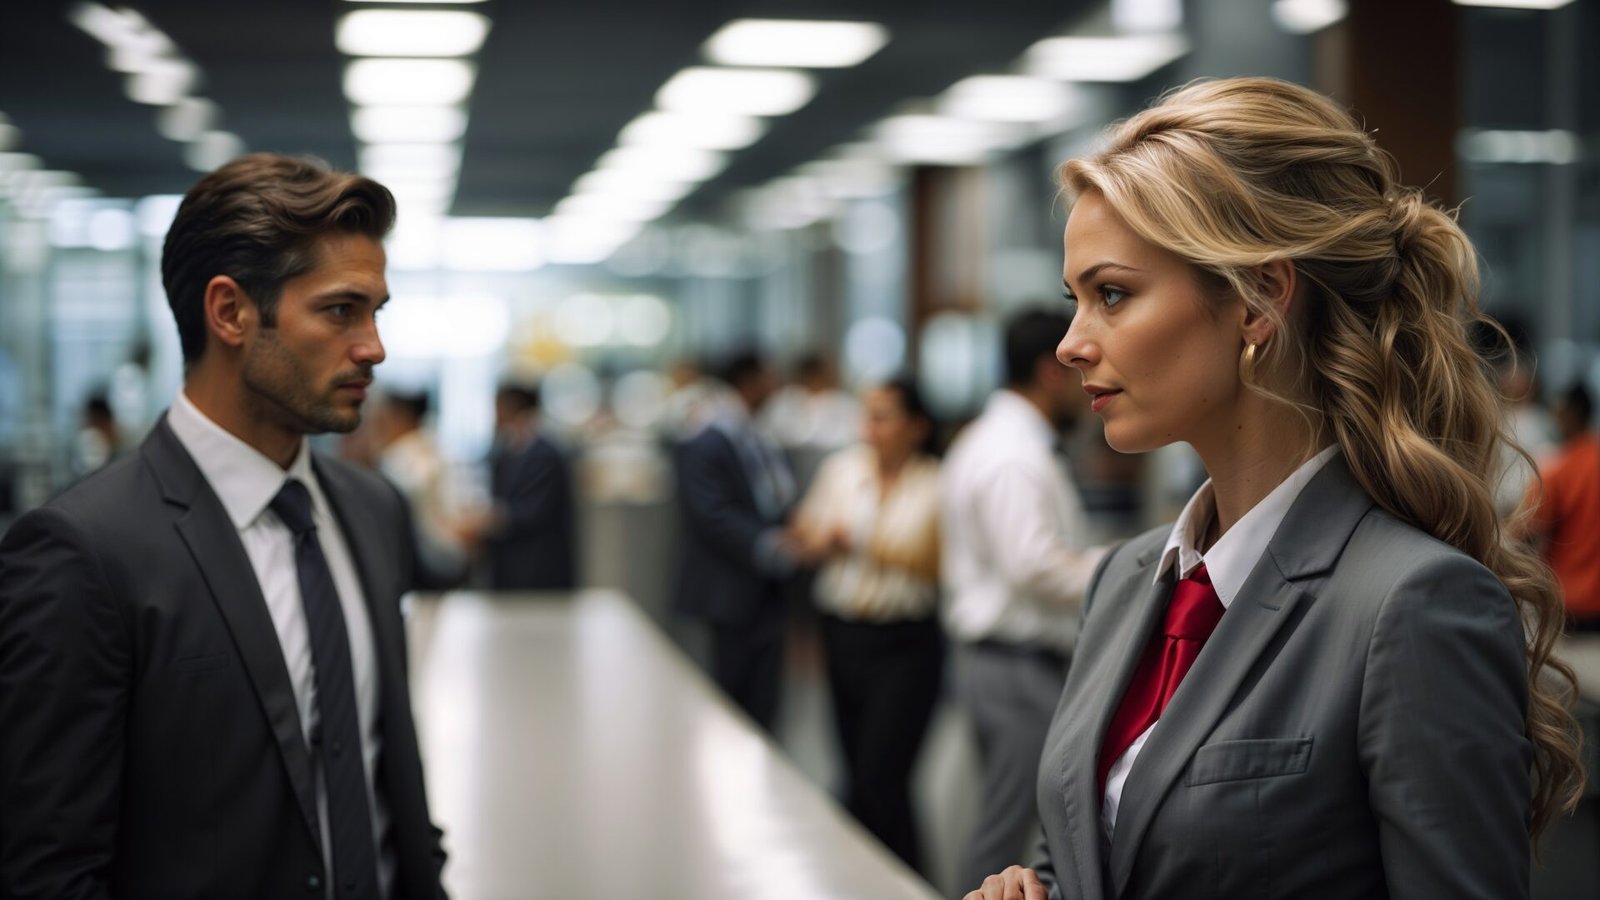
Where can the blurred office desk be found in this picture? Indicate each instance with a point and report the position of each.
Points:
(572, 751)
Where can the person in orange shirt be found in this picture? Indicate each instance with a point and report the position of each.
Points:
(1567, 521)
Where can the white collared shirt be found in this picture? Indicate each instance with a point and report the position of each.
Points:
(1228, 563)
(246, 482)
(1012, 530)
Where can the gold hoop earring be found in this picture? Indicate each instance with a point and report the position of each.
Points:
(1247, 365)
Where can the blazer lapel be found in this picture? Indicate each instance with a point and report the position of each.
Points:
(1307, 543)
(214, 543)
(1145, 600)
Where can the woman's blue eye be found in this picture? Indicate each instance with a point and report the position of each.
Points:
(1112, 295)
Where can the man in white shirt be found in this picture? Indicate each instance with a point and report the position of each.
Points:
(1015, 568)
(202, 660)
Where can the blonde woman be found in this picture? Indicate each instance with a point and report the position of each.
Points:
(1331, 677)
(873, 513)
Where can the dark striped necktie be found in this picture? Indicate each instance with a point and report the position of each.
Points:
(337, 735)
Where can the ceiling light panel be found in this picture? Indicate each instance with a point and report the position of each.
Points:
(639, 184)
(382, 82)
(408, 124)
(665, 164)
(1127, 58)
(1307, 16)
(423, 158)
(1010, 98)
(396, 32)
(621, 207)
(749, 92)
(940, 139)
(706, 132)
(1516, 4)
(797, 43)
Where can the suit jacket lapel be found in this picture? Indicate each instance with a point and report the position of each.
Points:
(214, 543)
(1147, 601)
(1307, 543)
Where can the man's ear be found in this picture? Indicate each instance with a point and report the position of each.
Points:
(230, 313)
(1279, 281)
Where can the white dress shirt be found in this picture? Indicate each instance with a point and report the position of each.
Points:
(1012, 531)
(889, 574)
(1228, 563)
(246, 482)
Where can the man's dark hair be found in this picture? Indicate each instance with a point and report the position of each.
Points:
(1029, 335)
(1577, 400)
(257, 220)
(522, 397)
(414, 403)
(740, 367)
(97, 408)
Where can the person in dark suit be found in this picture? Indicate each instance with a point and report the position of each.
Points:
(528, 535)
(735, 494)
(202, 657)
(1331, 677)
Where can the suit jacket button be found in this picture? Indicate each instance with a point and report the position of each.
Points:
(313, 883)
(338, 747)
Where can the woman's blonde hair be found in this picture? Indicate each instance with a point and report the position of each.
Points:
(1232, 174)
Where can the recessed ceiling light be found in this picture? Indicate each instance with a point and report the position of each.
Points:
(424, 158)
(940, 139)
(1307, 16)
(211, 150)
(667, 165)
(382, 82)
(746, 92)
(708, 132)
(162, 82)
(1516, 4)
(187, 119)
(621, 207)
(1010, 98)
(638, 184)
(1127, 58)
(408, 124)
(800, 43)
(411, 32)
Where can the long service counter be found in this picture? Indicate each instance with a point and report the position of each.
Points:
(573, 752)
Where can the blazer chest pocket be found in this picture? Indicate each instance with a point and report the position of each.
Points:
(1241, 760)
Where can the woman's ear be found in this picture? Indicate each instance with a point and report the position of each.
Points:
(1278, 281)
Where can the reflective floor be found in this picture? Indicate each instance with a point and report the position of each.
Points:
(574, 752)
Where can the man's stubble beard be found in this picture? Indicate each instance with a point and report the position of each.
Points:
(278, 387)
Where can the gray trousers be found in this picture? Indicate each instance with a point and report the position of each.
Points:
(1010, 694)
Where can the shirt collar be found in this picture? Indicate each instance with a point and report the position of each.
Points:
(1230, 560)
(243, 478)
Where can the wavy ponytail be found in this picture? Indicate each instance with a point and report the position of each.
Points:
(1235, 173)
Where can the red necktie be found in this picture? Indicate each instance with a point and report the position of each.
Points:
(1191, 617)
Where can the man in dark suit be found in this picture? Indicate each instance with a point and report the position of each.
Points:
(528, 535)
(735, 493)
(202, 659)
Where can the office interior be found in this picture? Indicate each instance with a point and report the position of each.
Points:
(592, 201)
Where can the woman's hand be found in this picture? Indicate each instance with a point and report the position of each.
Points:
(1015, 883)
